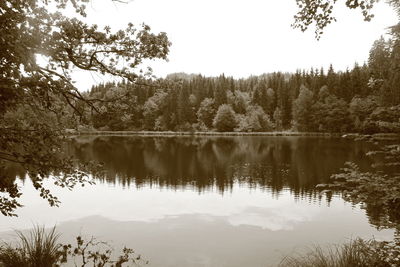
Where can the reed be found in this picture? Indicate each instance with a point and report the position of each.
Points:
(38, 248)
(356, 253)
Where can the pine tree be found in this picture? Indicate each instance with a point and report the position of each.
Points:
(302, 113)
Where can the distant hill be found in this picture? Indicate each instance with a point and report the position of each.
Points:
(181, 76)
(191, 76)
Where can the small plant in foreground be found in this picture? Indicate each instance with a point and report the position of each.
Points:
(36, 249)
(356, 253)
(40, 248)
(98, 254)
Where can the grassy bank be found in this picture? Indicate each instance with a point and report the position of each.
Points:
(356, 253)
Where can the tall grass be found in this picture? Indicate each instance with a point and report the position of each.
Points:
(356, 253)
(39, 248)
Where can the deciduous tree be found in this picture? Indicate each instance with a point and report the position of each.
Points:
(30, 30)
(225, 120)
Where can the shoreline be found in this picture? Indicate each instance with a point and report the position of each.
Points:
(173, 133)
(378, 136)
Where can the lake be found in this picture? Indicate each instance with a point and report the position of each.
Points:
(206, 201)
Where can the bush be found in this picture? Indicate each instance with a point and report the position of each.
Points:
(255, 120)
(225, 120)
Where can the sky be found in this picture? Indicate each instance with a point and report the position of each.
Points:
(242, 37)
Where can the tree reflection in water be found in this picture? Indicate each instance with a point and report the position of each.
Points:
(297, 164)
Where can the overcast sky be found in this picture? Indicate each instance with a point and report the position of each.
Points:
(243, 37)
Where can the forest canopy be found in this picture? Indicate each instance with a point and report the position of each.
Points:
(317, 100)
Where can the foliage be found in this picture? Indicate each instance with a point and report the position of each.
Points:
(320, 12)
(353, 100)
(356, 253)
(278, 119)
(116, 115)
(42, 249)
(255, 120)
(379, 59)
(301, 109)
(220, 93)
(384, 120)
(360, 108)
(379, 193)
(98, 253)
(384, 61)
(333, 102)
(153, 108)
(37, 146)
(37, 249)
(239, 101)
(206, 112)
(331, 114)
(225, 120)
(34, 95)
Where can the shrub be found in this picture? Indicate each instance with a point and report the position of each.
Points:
(225, 120)
(255, 120)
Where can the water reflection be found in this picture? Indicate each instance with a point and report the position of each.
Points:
(273, 162)
(237, 201)
(242, 227)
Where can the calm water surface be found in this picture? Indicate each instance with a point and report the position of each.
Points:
(232, 201)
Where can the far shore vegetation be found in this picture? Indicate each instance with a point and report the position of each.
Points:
(306, 101)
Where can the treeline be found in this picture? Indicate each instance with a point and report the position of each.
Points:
(362, 99)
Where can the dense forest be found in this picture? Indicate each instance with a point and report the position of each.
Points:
(362, 99)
